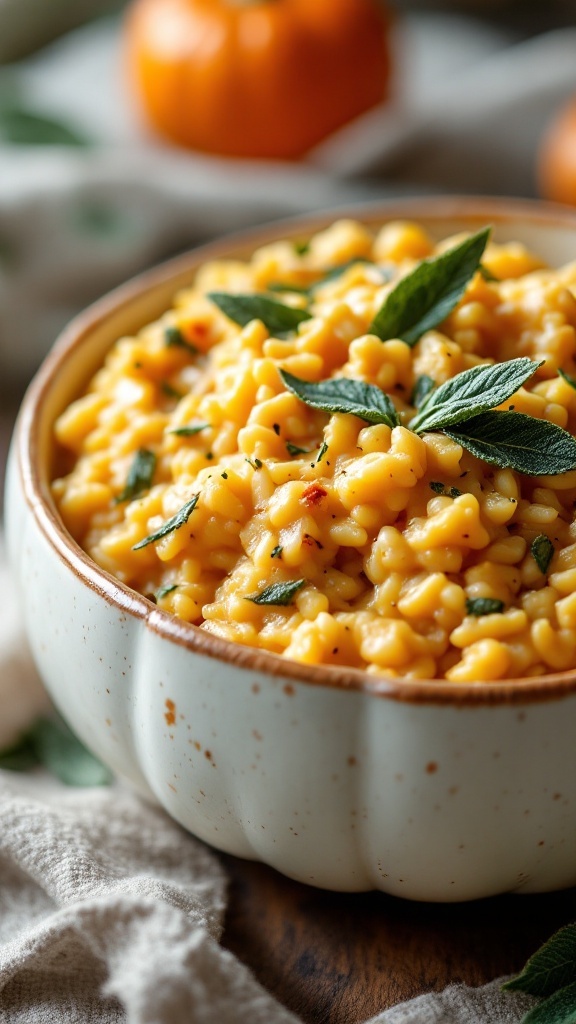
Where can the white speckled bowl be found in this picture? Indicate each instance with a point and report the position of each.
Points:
(427, 790)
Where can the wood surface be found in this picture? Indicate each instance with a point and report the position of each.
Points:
(335, 958)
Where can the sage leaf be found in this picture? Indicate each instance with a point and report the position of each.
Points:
(189, 430)
(542, 551)
(516, 441)
(168, 588)
(276, 316)
(50, 743)
(22, 127)
(559, 1008)
(422, 388)
(173, 338)
(425, 297)
(479, 606)
(174, 523)
(550, 968)
(140, 475)
(277, 593)
(276, 552)
(322, 451)
(440, 488)
(342, 394)
(294, 449)
(472, 392)
(569, 380)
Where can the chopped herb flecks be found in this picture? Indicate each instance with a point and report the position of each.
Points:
(174, 523)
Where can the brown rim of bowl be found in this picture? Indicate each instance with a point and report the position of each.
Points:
(472, 209)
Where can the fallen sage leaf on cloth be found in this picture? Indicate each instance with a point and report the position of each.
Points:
(49, 743)
(550, 974)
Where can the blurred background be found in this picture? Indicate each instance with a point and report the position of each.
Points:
(130, 132)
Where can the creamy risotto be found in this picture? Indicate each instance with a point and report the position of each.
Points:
(269, 462)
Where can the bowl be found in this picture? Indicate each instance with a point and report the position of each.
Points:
(426, 790)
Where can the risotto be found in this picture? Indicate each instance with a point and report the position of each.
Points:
(353, 451)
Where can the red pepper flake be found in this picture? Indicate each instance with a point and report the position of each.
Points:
(313, 494)
(170, 713)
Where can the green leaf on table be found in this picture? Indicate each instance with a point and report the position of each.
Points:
(22, 127)
(472, 392)
(516, 441)
(542, 551)
(51, 744)
(139, 477)
(559, 1008)
(344, 394)
(425, 297)
(174, 523)
(277, 593)
(276, 316)
(550, 968)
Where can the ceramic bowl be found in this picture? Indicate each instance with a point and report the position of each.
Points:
(427, 790)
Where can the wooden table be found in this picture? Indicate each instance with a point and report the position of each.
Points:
(335, 958)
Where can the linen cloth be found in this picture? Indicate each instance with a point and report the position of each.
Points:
(109, 912)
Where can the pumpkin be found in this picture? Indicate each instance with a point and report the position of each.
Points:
(557, 156)
(256, 78)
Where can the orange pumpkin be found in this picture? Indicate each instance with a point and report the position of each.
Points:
(256, 78)
(557, 157)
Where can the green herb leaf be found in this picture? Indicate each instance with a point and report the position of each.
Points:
(483, 606)
(276, 552)
(569, 380)
(174, 523)
(422, 388)
(23, 127)
(344, 395)
(542, 551)
(440, 488)
(276, 316)
(552, 967)
(487, 274)
(277, 593)
(322, 451)
(168, 588)
(331, 275)
(173, 338)
(255, 463)
(516, 441)
(139, 477)
(301, 248)
(190, 430)
(50, 743)
(294, 449)
(472, 392)
(559, 1008)
(425, 297)
(170, 391)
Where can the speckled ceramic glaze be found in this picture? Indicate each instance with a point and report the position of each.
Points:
(432, 791)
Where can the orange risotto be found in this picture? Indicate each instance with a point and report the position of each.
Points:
(203, 467)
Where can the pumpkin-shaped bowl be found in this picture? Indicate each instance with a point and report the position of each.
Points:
(427, 790)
